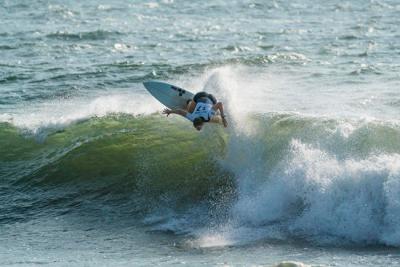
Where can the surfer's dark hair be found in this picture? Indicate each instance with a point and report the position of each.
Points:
(198, 122)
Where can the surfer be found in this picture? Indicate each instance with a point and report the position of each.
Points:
(202, 108)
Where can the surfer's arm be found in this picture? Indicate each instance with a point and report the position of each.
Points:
(220, 107)
(191, 106)
(175, 111)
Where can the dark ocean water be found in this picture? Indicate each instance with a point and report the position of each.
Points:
(307, 172)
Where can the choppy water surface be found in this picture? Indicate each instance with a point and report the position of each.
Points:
(307, 172)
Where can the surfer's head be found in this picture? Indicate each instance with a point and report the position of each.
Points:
(198, 123)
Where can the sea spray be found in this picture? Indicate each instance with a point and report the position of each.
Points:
(310, 189)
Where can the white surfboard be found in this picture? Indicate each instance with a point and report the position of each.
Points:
(170, 95)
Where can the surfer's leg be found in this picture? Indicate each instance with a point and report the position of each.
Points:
(212, 98)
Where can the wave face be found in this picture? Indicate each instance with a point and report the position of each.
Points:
(114, 159)
(283, 176)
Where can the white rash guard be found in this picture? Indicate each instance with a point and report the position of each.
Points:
(203, 110)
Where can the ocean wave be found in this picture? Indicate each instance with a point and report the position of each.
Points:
(7, 47)
(275, 58)
(44, 119)
(269, 175)
(367, 69)
(6, 79)
(106, 159)
(323, 181)
(286, 176)
(92, 35)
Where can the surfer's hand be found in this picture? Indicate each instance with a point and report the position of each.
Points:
(167, 111)
(224, 122)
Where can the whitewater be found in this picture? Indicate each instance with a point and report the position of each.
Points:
(306, 174)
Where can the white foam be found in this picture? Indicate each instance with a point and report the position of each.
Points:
(233, 234)
(310, 193)
(152, 5)
(61, 113)
(313, 195)
(209, 239)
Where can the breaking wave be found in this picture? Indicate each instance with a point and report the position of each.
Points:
(284, 177)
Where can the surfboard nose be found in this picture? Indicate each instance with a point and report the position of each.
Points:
(146, 84)
(153, 84)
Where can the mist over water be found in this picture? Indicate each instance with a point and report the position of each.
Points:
(307, 171)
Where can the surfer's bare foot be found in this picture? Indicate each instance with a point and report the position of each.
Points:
(224, 122)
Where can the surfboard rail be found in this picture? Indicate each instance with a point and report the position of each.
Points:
(171, 96)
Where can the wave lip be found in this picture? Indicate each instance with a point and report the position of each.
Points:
(53, 116)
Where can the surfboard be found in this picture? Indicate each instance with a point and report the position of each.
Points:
(169, 95)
